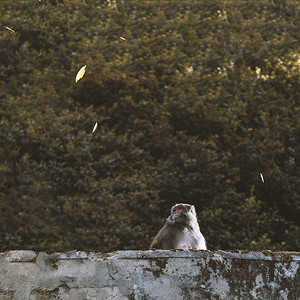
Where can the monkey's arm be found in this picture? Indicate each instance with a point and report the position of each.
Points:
(155, 245)
(164, 239)
(157, 241)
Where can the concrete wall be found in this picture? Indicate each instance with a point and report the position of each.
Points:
(146, 275)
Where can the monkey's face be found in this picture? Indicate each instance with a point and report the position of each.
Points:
(182, 213)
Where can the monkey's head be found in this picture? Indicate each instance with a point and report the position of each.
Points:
(182, 213)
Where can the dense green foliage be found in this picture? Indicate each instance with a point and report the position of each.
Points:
(193, 99)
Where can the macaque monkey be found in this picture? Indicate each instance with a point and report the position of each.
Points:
(181, 230)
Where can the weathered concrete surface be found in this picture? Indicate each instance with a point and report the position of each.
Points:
(150, 275)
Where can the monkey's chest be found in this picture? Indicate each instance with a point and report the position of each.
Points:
(184, 246)
(185, 240)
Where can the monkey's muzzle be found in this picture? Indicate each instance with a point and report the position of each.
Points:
(177, 212)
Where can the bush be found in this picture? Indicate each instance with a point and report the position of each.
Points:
(193, 101)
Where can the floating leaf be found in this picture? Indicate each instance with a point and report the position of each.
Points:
(80, 74)
(9, 29)
(95, 127)
(262, 177)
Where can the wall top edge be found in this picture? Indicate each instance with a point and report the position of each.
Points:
(265, 255)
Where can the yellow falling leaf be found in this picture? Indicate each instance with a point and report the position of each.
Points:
(80, 74)
(262, 177)
(9, 29)
(95, 127)
(122, 38)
